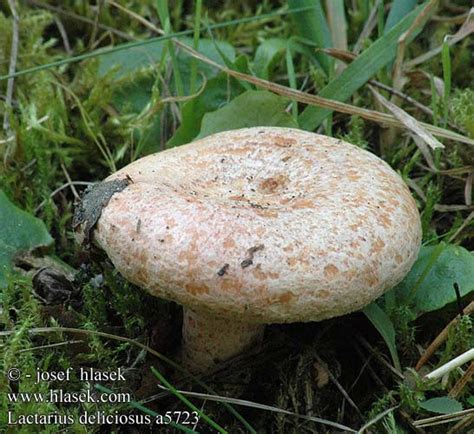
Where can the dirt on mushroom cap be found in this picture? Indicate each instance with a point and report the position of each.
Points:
(322, 227)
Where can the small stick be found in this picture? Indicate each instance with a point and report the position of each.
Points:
(63, 33)
(441, 338)
(462, 227)
(341, 389)
(462, 424)
(452, 364)
(459, 386)
(443, 417)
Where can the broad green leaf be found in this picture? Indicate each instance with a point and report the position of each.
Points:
(219, 91)
(429, 284)
(357, 73)
(381, 321)
(251, 109)
(271, 51)
(312, 25)
(398, 10)
(443, 405)
(126, 62)
(19, 231)
(134, 71)
(268, 53)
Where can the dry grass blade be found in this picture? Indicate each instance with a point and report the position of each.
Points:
(445, 418)
(468, 189)
(314, 100)
(441, 338)
(338, 25)
(245, 403)
(46, 330)
(369, 26)
(465, 30)
(425, 151)
(428, 10)
(462, 227)
(452, 208)
(347, 56)
(462, 382)
(376, 419)
(463, 425)
(298, 95)
(409, 121)
(341, 389)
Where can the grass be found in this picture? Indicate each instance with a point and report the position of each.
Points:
(69, 117)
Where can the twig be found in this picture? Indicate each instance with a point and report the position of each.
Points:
(462, 227)
(12, 67)
(451, 365)
(446, 418)
(441, 338)
(459, 386)
(464, 423)
(341, 389)
(63, 33)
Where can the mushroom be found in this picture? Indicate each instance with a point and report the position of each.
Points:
(257, 226)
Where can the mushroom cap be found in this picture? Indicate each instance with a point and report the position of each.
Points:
(267, 225)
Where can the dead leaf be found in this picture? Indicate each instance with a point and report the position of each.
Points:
(409, 121)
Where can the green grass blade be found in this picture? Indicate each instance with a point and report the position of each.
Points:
(197, 27)
(290, 67)
(163, 13)
(433, 258)
(312, 25)
(381, 321)
(399, 9)
(140, 43)
(186, 401)
(143, 409)
(379, 54)
(446, 59)
(337, 23)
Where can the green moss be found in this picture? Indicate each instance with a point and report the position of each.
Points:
(462, 108)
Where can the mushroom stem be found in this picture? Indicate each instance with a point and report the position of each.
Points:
(209, 340)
